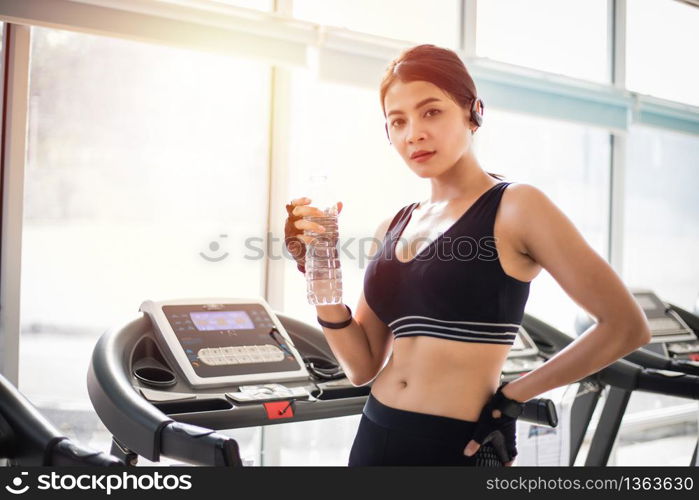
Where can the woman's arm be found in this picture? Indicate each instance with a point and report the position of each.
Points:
(552, 240)
(363, 346)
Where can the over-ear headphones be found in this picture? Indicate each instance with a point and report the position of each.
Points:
(476, 116)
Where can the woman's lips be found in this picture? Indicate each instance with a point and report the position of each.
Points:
(425, 157)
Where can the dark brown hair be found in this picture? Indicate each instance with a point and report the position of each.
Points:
(438, 66)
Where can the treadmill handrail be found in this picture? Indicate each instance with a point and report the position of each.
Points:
(35, 440)
(33, 433)
(66, 452)
(199, 445)
(621, 373)
(122, 410)
(650, 359)
(692, 320)
(142, 427)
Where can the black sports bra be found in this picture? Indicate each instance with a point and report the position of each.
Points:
(455, 288)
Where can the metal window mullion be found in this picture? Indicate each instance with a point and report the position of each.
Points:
(616, 205)
(278, 161)
(467, 31)
(16, 51)
(277, 182)
(617, 38)
(619, 141)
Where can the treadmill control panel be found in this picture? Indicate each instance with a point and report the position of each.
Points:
(523, 356)
(673, 336)
(225, 341)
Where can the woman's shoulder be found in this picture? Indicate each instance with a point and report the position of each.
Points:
(521, 195)
(522, 207)
(520, 200)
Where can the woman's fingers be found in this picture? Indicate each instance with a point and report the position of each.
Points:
(301, 201)
(307, 224)
(311, 211)
(471, 448)
(302, 210)
(306, 239)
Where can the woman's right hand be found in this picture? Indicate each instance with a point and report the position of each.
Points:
(294, 239)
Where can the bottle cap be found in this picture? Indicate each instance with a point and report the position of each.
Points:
(321, 192)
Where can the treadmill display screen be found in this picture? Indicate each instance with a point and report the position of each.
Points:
(221, 320)
(646, 303)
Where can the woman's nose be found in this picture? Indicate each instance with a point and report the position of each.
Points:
(415, 133)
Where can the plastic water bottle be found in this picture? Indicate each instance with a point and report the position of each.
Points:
(323, 273)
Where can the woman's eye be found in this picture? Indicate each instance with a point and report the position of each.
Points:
(430, 112)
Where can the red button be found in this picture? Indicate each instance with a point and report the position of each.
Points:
(694, 356)
(279, 409)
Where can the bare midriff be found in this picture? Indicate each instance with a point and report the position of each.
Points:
(440, 377)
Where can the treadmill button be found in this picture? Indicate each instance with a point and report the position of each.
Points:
(240, 397)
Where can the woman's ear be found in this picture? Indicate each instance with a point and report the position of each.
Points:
(468, 122)
(467, 118)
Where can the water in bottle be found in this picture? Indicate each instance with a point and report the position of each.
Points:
(323, 273)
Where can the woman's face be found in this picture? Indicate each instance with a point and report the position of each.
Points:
(422, 117)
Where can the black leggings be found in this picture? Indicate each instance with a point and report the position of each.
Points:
(388, 436)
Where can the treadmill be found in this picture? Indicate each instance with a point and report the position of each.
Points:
(674, 346)
(622, 377)
(167, 380)
(27, 438)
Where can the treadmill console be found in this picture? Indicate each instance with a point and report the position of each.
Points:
(523, 356)
(218, 342)
(671, 336)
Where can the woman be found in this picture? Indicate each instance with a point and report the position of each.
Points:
(445, 291)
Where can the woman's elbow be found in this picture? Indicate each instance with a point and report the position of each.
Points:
(360, 380)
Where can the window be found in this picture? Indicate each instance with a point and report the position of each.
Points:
(568, 162)
(661, 234)
(560, 36)
(413, 20)
(146, 164)
(661, 56)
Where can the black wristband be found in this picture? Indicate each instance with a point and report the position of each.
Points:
(507, 406)
(337, 326)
